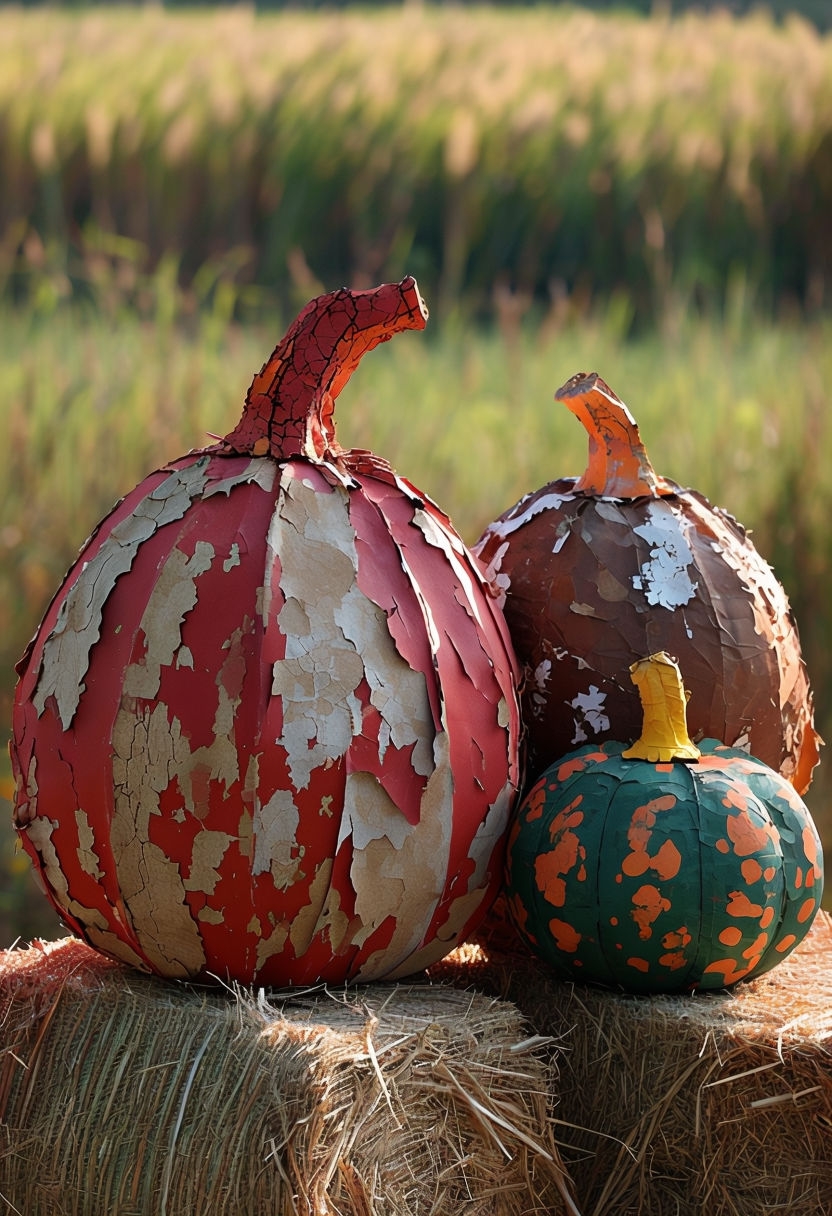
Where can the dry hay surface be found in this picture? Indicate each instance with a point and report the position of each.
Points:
(718, 1103)
(122, 1095)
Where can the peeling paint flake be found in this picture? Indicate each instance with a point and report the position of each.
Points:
(664, 577)
(276, 848)
(259, 470)
(66, 651)
(172, 598)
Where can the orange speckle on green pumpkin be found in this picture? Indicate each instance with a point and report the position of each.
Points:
(767, 917)
(740, 905)
(536, 802)
(566, 819)
(731, 936)
(667, 860)
(754, 952)
(577, 764)
(640, 964)
(810, 844)
(550, 868)
(565, 936)
(751, 870)
(673, 960)
(785, 943)
(677, 938)
(723, 846)
(745, 835)
(806, 910)
(727, 968)
(737, 795)
(648, 905)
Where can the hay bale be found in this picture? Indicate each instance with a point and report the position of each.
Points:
(122, 1095)
(681, 1105)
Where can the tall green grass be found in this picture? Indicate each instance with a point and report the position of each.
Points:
(546, 146)
(735, 407)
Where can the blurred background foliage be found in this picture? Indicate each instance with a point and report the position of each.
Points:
(574, 188)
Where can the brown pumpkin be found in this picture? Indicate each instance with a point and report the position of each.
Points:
(596, 571)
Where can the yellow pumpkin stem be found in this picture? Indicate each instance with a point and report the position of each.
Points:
(664, 732)
(619, 466)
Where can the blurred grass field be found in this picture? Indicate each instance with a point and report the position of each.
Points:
(175, 187)
(468, 144)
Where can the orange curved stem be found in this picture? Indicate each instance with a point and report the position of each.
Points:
(290, 405)
(619, 466)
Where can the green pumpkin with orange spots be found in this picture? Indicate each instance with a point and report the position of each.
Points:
(664, 866)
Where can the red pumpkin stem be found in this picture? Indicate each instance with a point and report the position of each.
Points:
(290, 405)
(619, 466)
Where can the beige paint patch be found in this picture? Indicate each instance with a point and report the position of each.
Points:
(208, 851)
(335, 638)
(397, 691)
(108, 943)
(40, 832)
(274, 828)
(172, 598)
(307, 923)
(275, 943)
(144, 756)
(66, 652)
(370, 813)
(318, 677)
(88, 859)
(406, 882)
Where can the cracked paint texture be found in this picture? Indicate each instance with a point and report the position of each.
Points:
(663, 877)
(598, 571)
(268, 729)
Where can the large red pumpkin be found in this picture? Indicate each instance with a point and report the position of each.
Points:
(267, 729)
(597, 571)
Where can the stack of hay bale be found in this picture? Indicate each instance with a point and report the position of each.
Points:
(122, 1095)
(679, 1105)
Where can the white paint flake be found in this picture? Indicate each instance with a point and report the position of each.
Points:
(454, 553)
(525, 509)
(499, 580)
(589, 714)
(664, 577)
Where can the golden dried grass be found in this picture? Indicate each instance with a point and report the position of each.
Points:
(679, 1105)
(121, 1095)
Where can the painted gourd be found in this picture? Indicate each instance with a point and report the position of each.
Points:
(663, 866)
(267, 730)
(597, 571)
